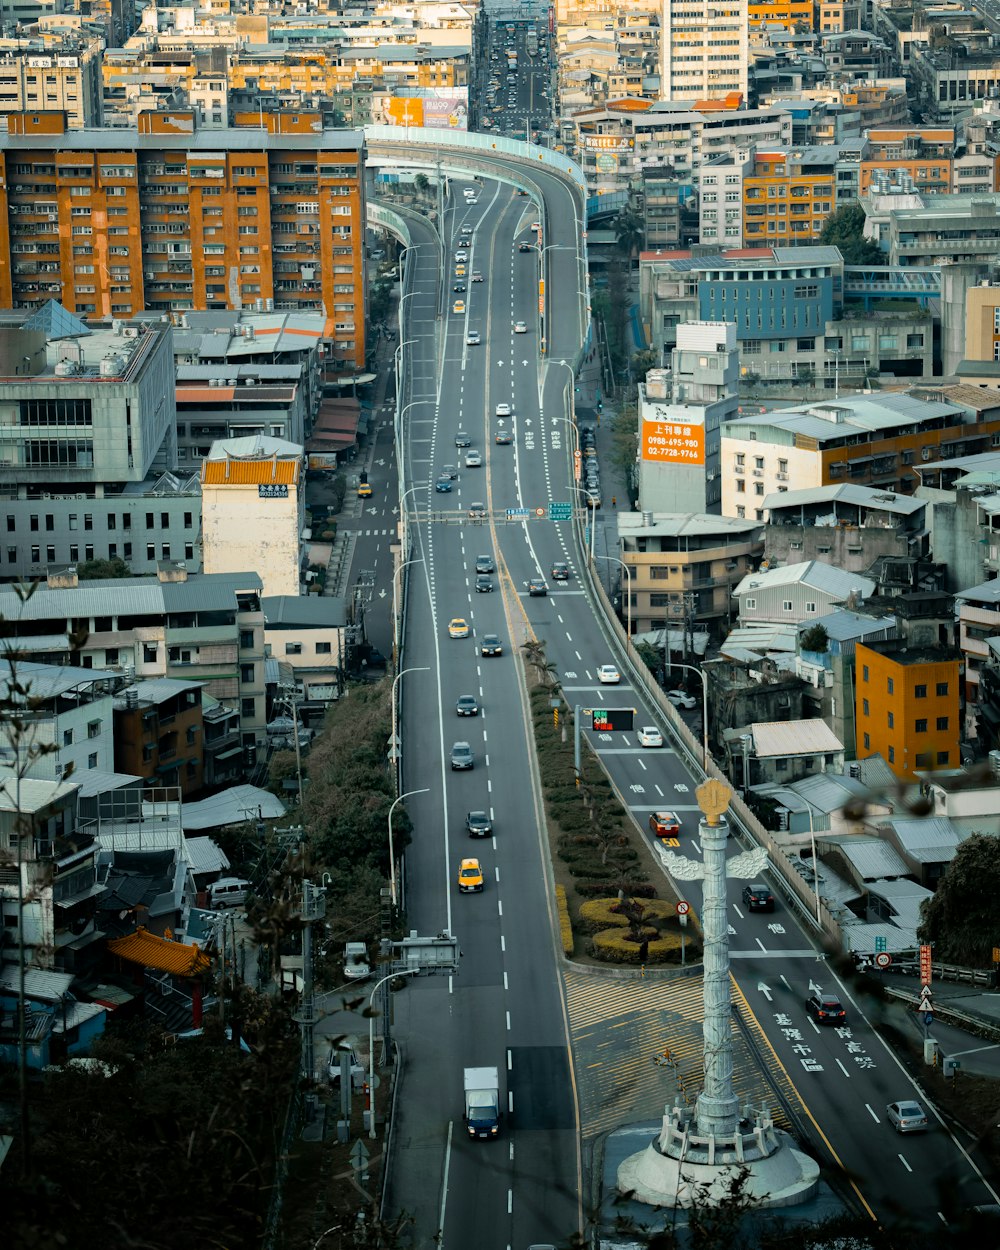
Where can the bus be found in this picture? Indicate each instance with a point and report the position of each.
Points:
(531, 42)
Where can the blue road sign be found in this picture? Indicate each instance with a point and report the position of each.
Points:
(518, 514)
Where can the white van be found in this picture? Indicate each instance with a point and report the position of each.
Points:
(228, 892)
(356, 966)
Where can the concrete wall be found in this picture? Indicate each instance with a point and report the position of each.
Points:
(851, 548)
(243, 531)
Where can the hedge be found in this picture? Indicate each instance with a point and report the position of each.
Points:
(565, 924)
(612, 945)
(603, 913)
(638, 888)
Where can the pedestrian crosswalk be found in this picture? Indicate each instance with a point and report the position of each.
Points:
(344, 529)
(637, 1043)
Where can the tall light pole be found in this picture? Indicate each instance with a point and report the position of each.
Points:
(812, 839)
(408, 972)
(628, 582)
(704, 704)
(392, 850)
(393, 747)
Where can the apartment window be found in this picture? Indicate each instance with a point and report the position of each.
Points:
(189, 551)
(151, 551)
(741, 486)
(50, 554)
(36, 555)
(868, 742)
(740, 511)
(323, 648)
(942, 689)
(92, 760)
(891, 719)
(758, 462)
(920, 692)
(782, 466)
(920, 726)
(865, 708)
(33, 523)
(786, 605)
(293, 648)
(111, 656)
(246, 639)
(246, 674)
(741, 458)
(890, 686)
(88, 520)
(88, 551)
(810, 607)
(74, 552)
(758, 488)
(12, 555)
(892, 755)
(942, 722)
(751, 603)
(93, 729)
(943, 757)
(165, 548)
(188, 520)
(248, 708)
(923, 759)
(67, 737)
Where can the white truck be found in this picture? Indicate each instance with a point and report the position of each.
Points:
(482, 1102)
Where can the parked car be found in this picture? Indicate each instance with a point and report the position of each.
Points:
(680, 698)
(758, 898)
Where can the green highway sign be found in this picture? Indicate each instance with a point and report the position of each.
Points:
(560, 511)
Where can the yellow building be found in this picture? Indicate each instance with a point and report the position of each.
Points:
(787, 13)
(907, 706)
(172, 218)
(787, 196)
(982, 323)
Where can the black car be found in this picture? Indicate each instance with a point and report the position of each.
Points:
(484, 583)
(826, 1009)
(491, 645)
(560, 571)
(758, 898)
(537, 586)
(524, 247)
(478, 825)
(484, 564)
(467, 705)
(504, 437)
(443, 485)
(462, 439)
(459, 288)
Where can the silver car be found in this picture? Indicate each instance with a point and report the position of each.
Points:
(907, 1117)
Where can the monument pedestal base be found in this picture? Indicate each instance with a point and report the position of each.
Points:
(681, 1168)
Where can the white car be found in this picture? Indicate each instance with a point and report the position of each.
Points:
(680, 698)
(468, 192)
(473, 339)
(520, 327)
(461, 257)
(473, 460)
(503, 410)
(608, 675)
(650, 736)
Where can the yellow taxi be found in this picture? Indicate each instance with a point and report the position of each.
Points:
(364, 490)
(458, 627)
(458, 306)
(459, 271)
(470, 877)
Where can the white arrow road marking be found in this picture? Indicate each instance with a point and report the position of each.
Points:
(764, 990)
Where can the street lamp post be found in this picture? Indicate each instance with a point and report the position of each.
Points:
(704, 705)
(628, 576)
(408, 972)
(392, 850)
(393, 747)
(812, 839)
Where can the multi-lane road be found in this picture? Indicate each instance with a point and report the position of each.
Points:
(507, 1006)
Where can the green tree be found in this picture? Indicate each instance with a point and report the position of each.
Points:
(845, 229)
(962, 919)
(91, 570)
(815, 638)
(628, 231)
(643, 361)
(625, 439)
(421, 184)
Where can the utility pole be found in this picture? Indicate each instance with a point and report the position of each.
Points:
(313, 908)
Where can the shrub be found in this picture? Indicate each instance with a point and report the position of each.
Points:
(638, 888)
(603, 913)
(614, 946)
(565, 923)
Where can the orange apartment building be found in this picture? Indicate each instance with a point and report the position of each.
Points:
(787, 13)
(787, 196)
(170, 218)
(926, 154)
(907, 706)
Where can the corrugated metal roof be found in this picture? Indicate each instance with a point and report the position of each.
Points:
(816, 574)
(793, 737)
(308, 611)
(132, 596)
(46, 681)
(929, 839)
(872, 858)
(866, 939)
(843, 625)
(205, 855)
(30, 794)
(230, 807)
(48, 987)
(209, 591)
(847, 492)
